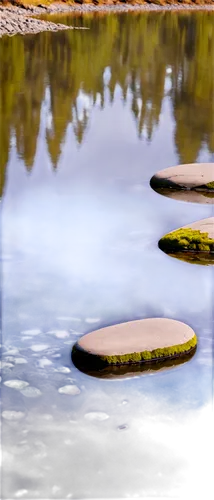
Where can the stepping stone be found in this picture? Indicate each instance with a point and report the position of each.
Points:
(141, 341)
(192, 182)
(194, 242)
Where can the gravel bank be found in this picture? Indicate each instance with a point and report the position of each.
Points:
(14, 20)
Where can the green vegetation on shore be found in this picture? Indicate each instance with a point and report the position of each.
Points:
(137, 357)
(186, 240)
(141, 51)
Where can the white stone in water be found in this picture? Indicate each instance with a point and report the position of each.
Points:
(12, 415)
(21, 493)
(96, 415)
(20, 361)
(71, 390)
(59, 334)
(136, 336)
(39, 347)
(63, 369)
(17, 384)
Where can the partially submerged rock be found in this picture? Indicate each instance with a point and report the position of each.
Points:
(191, 182)
(196, 239)
(142, 341)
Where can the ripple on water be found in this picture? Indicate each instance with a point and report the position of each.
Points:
(31, 392)
(59, 334)
(69, 318)
(205, 361)
(39, 347)
(33, 332)
(92, 320)
(5, 364)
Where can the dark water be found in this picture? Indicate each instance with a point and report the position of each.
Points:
(88, 117)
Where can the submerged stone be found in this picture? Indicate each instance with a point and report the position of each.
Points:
(70, 390)
(191, 182)
(141, 341)
(16, 384)
(194, 242)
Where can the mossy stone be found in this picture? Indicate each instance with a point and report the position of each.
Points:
(140, 341)
(196, 237)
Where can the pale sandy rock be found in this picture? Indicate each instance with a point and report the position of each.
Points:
(187, 176)
(136, 336)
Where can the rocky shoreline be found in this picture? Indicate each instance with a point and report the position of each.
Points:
(17, 19)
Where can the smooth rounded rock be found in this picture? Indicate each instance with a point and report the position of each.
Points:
(192, 182)
(147, 340)
(193, 242)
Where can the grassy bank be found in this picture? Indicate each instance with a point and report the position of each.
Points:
(185, 240)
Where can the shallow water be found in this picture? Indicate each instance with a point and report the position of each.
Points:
(89, 117)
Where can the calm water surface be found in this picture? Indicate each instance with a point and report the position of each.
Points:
(88, 117)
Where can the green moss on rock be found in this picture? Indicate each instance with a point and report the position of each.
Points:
(186, 240)
(210, 185)
(162, 352)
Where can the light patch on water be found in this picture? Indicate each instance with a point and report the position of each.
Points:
(205, 361)
(31, 392)
(55, 489)
(96, 415)
(16, 384)
(92, 320)
(32, 332)
(13, 352)
(21, 493)
(39, 347)
(71, 390)
(207, 331)
(44, 362)
(62, 369)
(20, 361)
(12, 415)
(59, 334)
(69, 318)
(2, 364)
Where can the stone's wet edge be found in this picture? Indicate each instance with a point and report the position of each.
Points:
(196, 176)
(90, 367)
(135, 342)
(195, 239)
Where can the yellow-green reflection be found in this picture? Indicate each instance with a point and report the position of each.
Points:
(145, 53)
(187, 195)
(203, 259)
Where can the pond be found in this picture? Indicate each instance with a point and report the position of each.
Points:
(88, 117)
